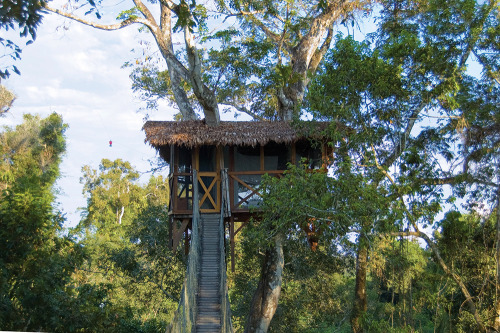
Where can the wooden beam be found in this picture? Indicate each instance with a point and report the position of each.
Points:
(219, 166)
(241, 227)
(178, 234)
(170, 232)
(243, 183)
(231, 180)
(186, 242)
(231, 239)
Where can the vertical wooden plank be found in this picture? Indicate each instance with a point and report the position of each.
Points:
(195, 158)
(171, 160)
(231, 180)
(171, 189)
(219, 164)
(231, 239)
(294, 153)
(170, 232)
(196, 166)
(173, 193)
(186, 241)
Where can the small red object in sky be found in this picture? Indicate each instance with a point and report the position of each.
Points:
(110, 143)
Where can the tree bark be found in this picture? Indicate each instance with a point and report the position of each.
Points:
(308, 53)
(266, 297)
(206, 97)
(360, 300)
(180, 95)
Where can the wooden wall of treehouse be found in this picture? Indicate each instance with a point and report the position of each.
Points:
(245, 167)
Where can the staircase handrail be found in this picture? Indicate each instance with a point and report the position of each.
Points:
(185, 316)
(226, 323)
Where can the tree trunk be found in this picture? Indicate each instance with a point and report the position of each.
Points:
(265, 299)
(360, 301)
(165, 45)
(306, 56)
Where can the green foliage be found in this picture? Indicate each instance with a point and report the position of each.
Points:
(7, 98)
(129, 14)
(36, 261)
(316, 286)
(468, 244)
(24, 16)
(406, 112)
(124, 230)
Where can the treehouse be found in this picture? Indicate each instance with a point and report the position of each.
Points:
(227, 163)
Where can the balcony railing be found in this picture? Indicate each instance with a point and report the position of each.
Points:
(244, 191)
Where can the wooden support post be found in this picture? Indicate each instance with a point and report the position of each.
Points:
(231, 239)
(231, 181)
(186, 242)
(170, 232)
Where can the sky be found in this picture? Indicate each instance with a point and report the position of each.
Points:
(76, 71)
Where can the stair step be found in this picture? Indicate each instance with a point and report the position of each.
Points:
(209, 297)
(207, 284)
(208, 293)
(207, 317)
(214, 299)
(210, 262)
(209, 300)
(209, 280)
(208, 326)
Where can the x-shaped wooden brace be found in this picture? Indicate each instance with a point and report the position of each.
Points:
(207, 191)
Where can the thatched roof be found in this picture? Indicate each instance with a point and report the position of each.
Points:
(248, 133)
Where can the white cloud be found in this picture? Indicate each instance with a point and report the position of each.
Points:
(77, 73)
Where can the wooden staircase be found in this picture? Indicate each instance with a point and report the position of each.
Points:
(209, 298)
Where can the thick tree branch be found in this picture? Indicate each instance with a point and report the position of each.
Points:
(276, 38)
(400, 234)
(494, 75)
(206, 97)
(108, 27)
(180, 94)
(400, 145)
(475, 33)
(463, 177)
(145, 11)
(320, 53)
